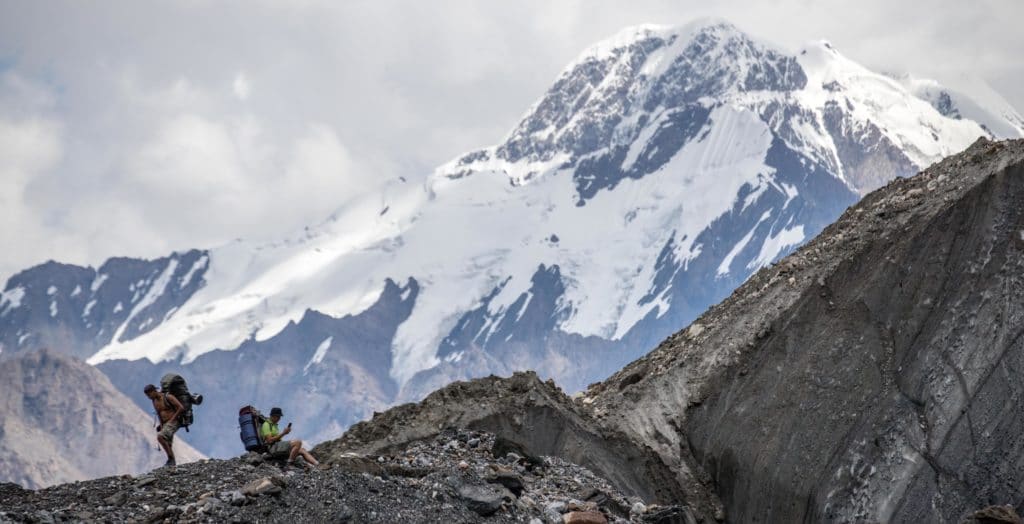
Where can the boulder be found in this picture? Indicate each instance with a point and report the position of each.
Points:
(510, 479)
(264, 486)
(484, 500)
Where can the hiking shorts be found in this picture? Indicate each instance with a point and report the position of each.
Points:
(281, 447)
(167, 430)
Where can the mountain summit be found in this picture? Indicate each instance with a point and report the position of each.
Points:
(663, 168)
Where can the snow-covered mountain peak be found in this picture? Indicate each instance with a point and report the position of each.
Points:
(624, 39)
(623, 84)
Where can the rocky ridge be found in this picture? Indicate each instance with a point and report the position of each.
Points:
(456, 476)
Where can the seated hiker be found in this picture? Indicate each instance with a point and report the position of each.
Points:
(278, 447)
(168, 409)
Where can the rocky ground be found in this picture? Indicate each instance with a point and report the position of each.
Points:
(456, 476)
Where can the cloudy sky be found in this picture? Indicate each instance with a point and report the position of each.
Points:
(136, 128)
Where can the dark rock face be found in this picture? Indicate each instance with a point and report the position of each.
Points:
(894, 377)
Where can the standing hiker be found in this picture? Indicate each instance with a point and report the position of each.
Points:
(277, 447)
(168, 410)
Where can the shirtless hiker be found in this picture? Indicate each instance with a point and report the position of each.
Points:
(168, 409)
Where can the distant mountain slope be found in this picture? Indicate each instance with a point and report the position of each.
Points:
(63, 421)
(661, 169)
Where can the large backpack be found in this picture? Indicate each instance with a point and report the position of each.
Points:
(249, 422)
(174, 384)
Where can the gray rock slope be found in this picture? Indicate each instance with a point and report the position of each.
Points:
(872, 376)
(63, 421)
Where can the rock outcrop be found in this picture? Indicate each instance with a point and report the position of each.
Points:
(63, 421)
(532, 414)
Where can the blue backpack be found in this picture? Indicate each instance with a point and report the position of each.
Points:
(249, 421)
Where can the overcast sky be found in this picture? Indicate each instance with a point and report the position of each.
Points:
(135, 128)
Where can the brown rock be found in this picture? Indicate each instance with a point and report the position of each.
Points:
(995, 515)
(264, 486)
(582, 506)
(584, 517)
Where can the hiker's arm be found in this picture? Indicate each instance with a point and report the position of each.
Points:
(178, 408)
(279, 436)
(159, 421)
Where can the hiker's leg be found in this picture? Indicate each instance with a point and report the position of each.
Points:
(166, 438)
(308, 457)
(168, 449)
(296, 446)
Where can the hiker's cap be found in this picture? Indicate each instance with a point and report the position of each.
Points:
(276, 411)
(148, 388)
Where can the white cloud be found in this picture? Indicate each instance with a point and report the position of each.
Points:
(28, 148)
(240, 86)
(182, 174)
